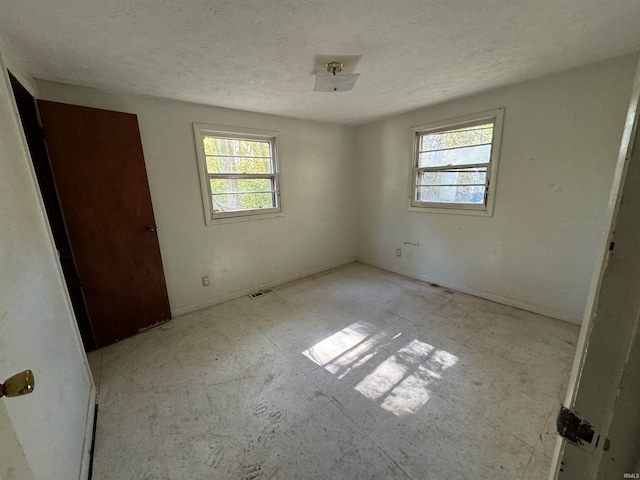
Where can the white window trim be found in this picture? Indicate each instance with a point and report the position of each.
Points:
(485, 209)
(199, 131)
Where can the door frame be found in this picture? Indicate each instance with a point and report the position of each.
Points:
(34, 134)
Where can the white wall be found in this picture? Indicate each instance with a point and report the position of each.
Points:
(559, 146)
(16, 67)
(317, 175)
(37, 328)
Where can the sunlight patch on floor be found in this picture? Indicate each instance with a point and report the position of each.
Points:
(400, 384)
(347, 349)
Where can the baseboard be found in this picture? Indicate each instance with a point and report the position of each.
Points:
(247, 291)
(512, 302)
(85, 462)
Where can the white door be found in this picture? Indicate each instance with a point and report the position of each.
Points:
(604, 388)
(13, 464)
(45, 434)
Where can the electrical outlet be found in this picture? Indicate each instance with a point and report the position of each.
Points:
(398, 252)
(205, 281)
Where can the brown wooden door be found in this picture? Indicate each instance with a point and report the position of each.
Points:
(99, 171)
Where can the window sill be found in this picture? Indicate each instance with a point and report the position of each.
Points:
(454, 211)
(244, 218)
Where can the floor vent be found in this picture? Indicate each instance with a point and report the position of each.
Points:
(262, 293)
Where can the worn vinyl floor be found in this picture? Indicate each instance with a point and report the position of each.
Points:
(352, 374)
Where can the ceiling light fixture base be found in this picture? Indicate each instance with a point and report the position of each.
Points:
(333, 82)
(334, 67)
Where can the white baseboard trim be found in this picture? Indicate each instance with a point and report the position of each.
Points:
(85, 461)
(494, 297)
(240, 293)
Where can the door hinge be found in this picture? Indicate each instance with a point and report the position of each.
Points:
(573, 428)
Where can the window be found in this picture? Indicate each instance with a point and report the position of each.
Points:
(455, 163)
(238, 171)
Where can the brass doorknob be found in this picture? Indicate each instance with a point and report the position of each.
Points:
(20, 384)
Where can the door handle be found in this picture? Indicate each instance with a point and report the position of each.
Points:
(20, 384)
(150, 228)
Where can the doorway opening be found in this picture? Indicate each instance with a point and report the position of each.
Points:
(37, 148)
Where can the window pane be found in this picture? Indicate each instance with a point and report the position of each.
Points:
(239, 165)
(467, 136)
(240, 185)
(456, 156)
(232, 202)
(455, 194)
(453, 177)
(236, 147)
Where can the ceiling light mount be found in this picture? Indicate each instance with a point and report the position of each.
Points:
(334, 67)
(334, 82)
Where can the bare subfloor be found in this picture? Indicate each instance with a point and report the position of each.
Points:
(352, 374)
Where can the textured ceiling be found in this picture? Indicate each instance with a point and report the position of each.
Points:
(260, 55)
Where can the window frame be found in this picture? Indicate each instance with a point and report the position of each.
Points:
(484, 209)
(201, 130)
